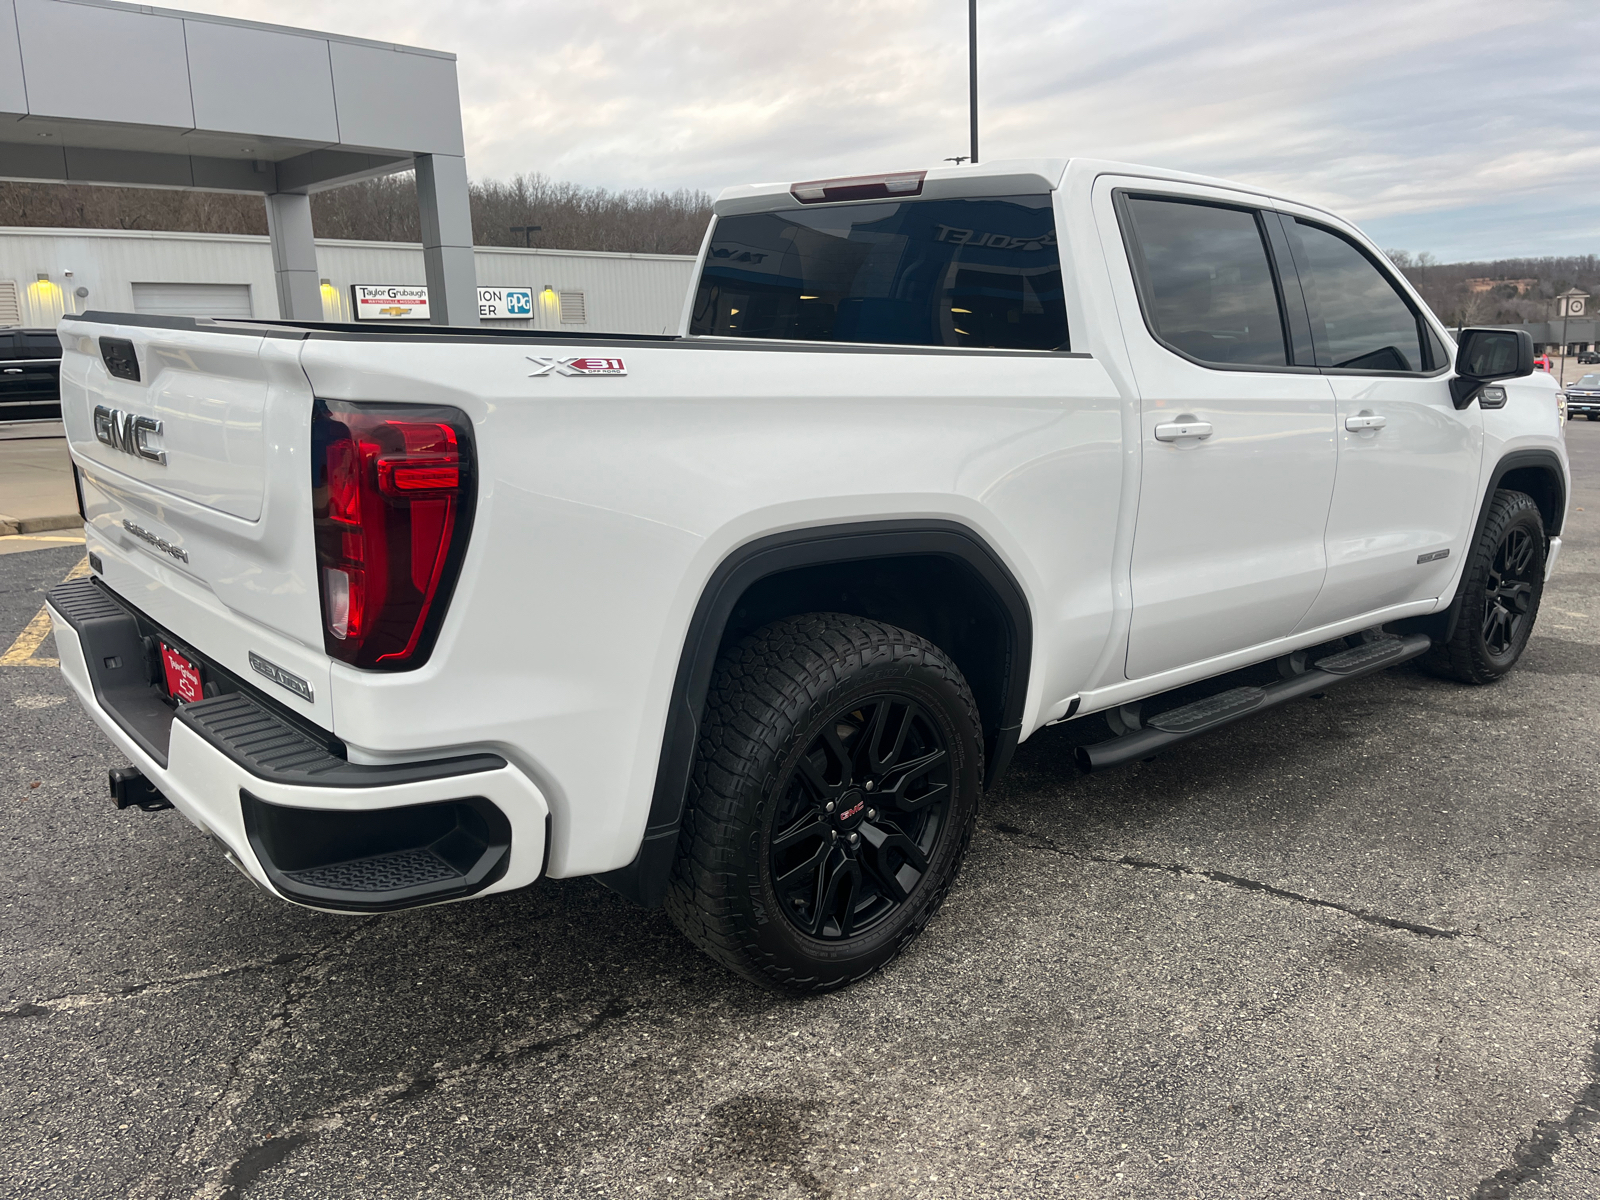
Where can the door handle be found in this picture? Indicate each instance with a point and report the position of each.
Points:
(1364, 420)
(13, 370)
(1184, 427)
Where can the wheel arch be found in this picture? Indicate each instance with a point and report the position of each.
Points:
(1537, 473)
(940, 579)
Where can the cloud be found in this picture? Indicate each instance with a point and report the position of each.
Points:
(1387, 112)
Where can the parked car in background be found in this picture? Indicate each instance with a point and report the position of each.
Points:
(30, 375)
(1589, 358)
(1583, 397)
(1542, 362)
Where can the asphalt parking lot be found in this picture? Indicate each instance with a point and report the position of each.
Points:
(1348, 949)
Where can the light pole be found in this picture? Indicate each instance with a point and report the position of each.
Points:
(972, 72)
(1561, 380)
(1571, 303)
(527, 232)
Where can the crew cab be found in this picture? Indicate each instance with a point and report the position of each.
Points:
(743, 620)
(30, 363)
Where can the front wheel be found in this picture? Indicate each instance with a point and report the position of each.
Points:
(831, 804)
(1501, 587)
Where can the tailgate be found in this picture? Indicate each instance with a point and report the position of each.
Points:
(192, 440)
(206, 390)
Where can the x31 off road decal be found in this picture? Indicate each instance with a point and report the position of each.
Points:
(577, 365)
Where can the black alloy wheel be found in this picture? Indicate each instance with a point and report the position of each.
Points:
(1508, 591)
(1498, 599)
(861, 814)
(832, 800)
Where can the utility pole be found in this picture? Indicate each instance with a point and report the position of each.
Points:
(1571, 303)
(1562, 380)
(972, 72)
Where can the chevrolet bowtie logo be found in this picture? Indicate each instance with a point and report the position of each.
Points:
(126, 432)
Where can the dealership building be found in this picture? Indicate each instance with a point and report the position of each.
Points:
(47, 273)
(106, 92)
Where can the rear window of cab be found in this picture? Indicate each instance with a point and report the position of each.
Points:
(982, 273)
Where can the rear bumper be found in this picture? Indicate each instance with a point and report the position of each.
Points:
(293, 814)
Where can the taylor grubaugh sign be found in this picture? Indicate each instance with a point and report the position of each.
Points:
(388, 302)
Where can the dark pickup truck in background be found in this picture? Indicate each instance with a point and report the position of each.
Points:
(30, 375)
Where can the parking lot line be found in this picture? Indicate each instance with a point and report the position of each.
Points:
(28, 641)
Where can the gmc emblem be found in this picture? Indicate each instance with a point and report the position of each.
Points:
(126, 432)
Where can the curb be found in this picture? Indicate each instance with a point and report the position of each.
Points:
(10, 526)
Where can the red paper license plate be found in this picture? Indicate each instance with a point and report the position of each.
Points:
(183, 677)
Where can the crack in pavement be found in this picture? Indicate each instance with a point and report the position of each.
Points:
(231, 1179)
(1538, 1151)
(68, 1001)
(251, 1063)
(1234, 881)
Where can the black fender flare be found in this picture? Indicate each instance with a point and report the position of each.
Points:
(645, 879)
(1539, 458)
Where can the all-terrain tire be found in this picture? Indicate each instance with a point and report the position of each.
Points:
(1472, 655)
(776, 696)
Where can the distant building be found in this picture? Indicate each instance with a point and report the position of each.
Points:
(1582, 335)
(1523, 286)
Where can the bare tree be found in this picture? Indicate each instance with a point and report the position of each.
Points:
(81, 206)
(573, 217)
(584, 218)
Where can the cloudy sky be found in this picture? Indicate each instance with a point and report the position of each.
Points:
(1469, 128)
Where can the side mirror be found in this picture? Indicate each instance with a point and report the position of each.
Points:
(1483, 355)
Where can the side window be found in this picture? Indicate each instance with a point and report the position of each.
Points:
(1206, 281)
(1359, 321)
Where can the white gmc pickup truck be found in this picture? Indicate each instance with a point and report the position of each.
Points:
(743, 620)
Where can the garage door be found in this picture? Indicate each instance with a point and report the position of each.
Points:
(192, 299)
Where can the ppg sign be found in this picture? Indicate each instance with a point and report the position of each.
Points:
(504, 303)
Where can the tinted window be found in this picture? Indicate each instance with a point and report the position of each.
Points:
(1358, 319)
(916, 272)
(29, 345)
(1207, 282)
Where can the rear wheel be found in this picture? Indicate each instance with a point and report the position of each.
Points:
(831, 803)
(1500, 590)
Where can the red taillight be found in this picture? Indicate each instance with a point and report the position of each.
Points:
(393, 502)
(860, 187)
